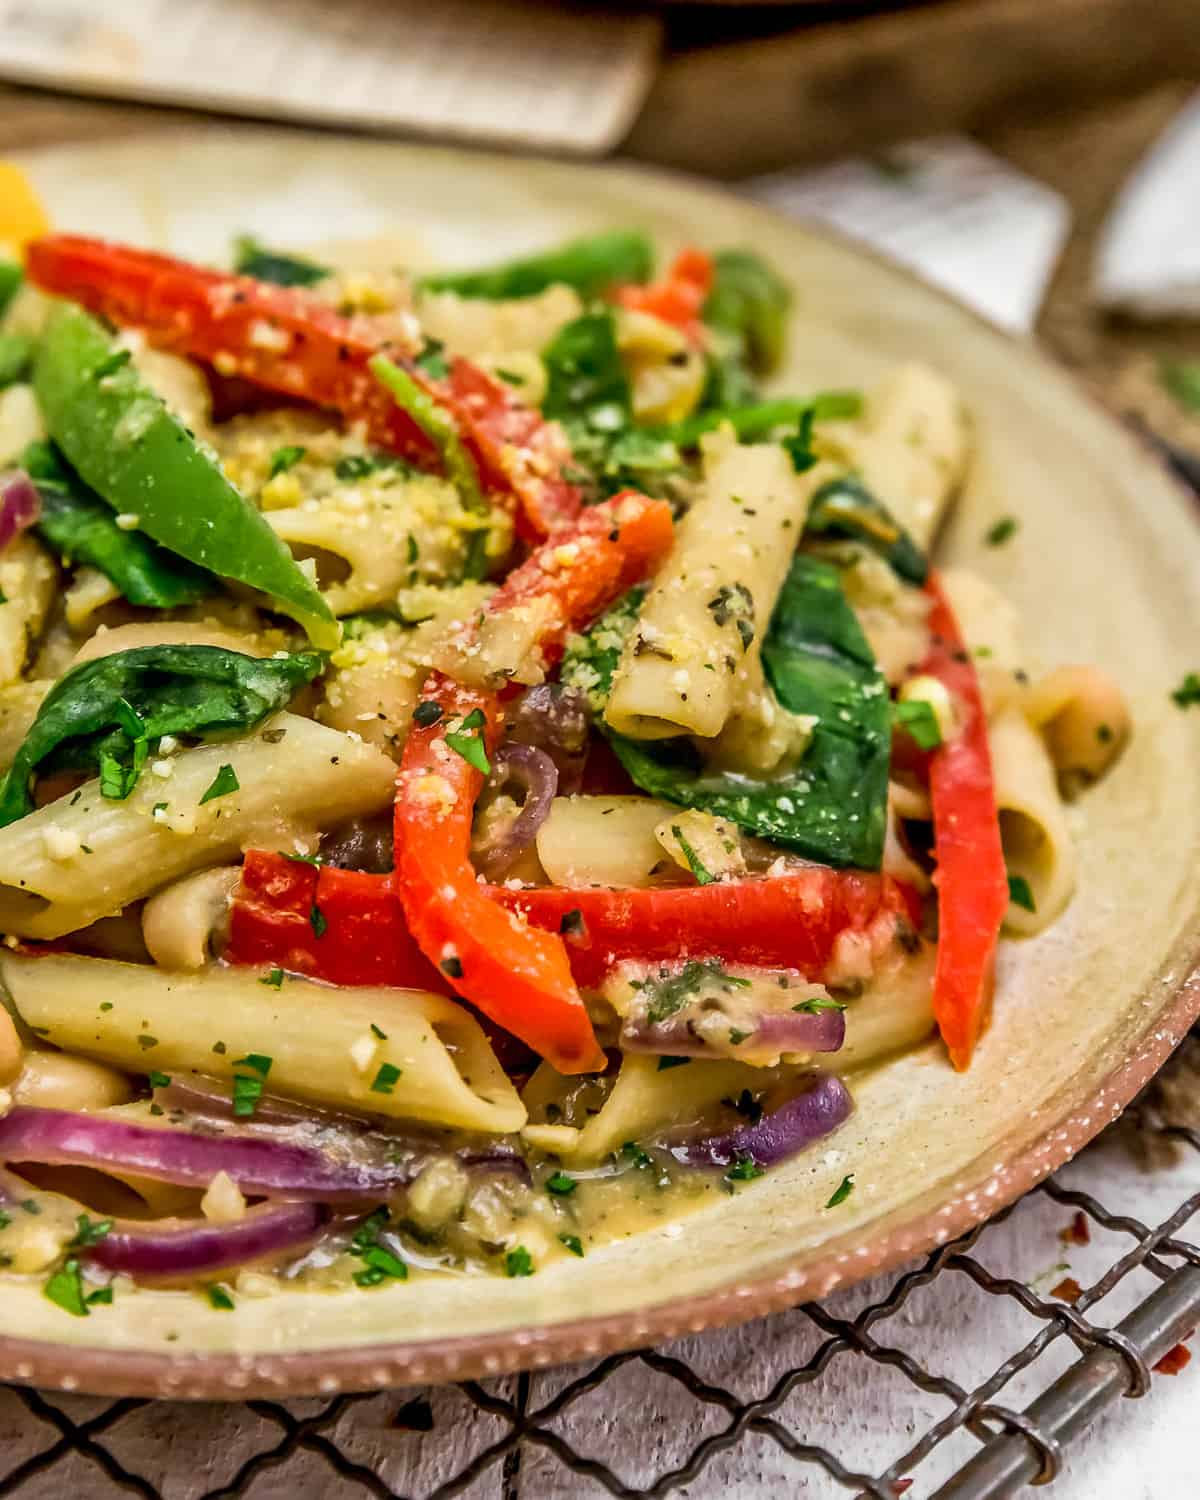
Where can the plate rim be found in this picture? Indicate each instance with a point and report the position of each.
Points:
(332, 1370)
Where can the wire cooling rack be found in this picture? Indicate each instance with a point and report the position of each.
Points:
(1117, 1297)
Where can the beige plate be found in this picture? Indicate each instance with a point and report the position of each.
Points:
(1106, 568)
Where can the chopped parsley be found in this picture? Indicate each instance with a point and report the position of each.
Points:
(5, 1219)
(316, 920)
(1187, 694)
(518, 1262)
(158, 1080)
(799, 447)
(747, 1106)
(920, 721)
(695, 864)
(375, 1031)
(427, 714)
(573, 1243)
(89, 1232)
(316, 860)
(274, 979)
(744, 1169)
(218, 1297)
(65, 1290)
(818, 1003)
(669, 992)
(842, 1191)
(736, 1037)
(106, 1005)
(510, 377)
(1180, 378)
(224, 782)
(671, 1062)
(379, 1263)
(634, 1153)
(386, 1079)
(1003, 531)
(248, 1087)
(146, 1042)
(467, 741)
(432, 359)
(286, 458)
(735, 602)
(362, 465)
(1019, 893)
(561, 1184)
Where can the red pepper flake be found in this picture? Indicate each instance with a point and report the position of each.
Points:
(1067, 1290)
(901, 1486)
(1174, 1361)
(1077, 1232)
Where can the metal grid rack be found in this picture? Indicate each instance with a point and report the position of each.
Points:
(996, 1433)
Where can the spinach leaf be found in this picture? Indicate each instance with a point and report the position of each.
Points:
(110, 714)
(585, 379)
(81, 528)
(16, 358)
(831, 806)
(749, 306)
(253, 259)
(846, 508)
(590, 265)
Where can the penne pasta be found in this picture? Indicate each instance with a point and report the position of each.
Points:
(320, 1041)
(703, 620)
(83, 856)
(1033, 825)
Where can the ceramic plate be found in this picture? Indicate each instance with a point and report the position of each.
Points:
(1105, 568)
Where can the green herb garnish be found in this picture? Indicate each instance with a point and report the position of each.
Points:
(920, 721)
(561, 1184)
(1187, 694)
(842, 1191)
(1019, 892)
(386, 1079)
(287, 458)
(1003, 531)
(224, 782)
(218, 1297)
(695, 864)
(573, 1243)
(518, 1262)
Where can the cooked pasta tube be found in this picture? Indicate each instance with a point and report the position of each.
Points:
(603, 840)
(991, 629)
(482, 326)
(1083, 717)
(895, 1011)
(83, 857)
(705, 615)
(913, 446)
(432, 1061)
(19, 703)
(1037, 842)
(28, 578)
(646, 1099)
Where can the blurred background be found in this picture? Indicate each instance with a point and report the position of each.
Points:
(1037, 157)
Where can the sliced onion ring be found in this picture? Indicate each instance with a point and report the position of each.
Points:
(805, 1118)
(20, 505)
(781, 1031)
(272, 1168)
(553, 718)
(536, 773)
(192, 1247)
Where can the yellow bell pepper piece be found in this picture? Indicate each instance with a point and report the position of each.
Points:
(22, 217)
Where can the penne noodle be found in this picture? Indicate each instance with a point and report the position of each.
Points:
(320, 1040)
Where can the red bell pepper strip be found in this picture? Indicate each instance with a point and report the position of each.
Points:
(518, 976)
(783, 921)
(342, 926)
(568, 582)
(971, 880)
(290, 341)
(680, 298)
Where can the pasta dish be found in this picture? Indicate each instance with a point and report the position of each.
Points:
(483, 771)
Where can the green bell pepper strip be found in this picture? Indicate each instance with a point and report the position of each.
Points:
(845, 508)
(589, 265)
(109, 714)
(751, 424)
(832, 805)
(749, 305)
(78, 525)
(438, 425)
(142, 461)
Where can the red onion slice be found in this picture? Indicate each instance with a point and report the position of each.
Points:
(272, 1168)
(20, 505)
(553, 718)
(776, 1031)
(535, 773)
(805, 1118)
(195, 1247)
